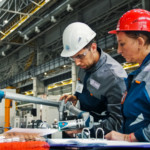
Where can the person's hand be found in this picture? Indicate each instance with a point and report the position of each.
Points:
(116, 136)
(24, 136)
(71, 98)
(72, 132)
(113, 135)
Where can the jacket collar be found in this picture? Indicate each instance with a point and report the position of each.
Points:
(143, 65)
(101, 61)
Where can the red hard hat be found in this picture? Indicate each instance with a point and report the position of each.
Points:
(133, 20)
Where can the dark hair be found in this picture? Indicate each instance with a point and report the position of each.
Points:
(89, 44)
(136, 34)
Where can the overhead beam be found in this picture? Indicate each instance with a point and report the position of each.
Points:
(15, 12)
(19, 44)
(20, 13)
(31, 40)
(12, 43)
(34, 3)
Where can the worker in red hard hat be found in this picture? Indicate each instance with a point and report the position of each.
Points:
(133, 36)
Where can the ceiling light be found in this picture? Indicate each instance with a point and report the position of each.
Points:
(8, 46)
(64, 66)
(45, 73)
(5, 21)
(37, 30)
(69, 8)
(26, 37)
(53, 19)
(3, 53)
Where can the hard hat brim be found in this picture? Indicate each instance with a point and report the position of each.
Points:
(112, 32)
(65, 53)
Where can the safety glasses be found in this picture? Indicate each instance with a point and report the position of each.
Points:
(80, 56)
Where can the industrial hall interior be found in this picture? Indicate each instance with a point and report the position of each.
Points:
(74, 74)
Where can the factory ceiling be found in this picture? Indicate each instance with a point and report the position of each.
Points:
(36, 27)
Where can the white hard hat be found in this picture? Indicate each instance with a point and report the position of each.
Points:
(75, 37)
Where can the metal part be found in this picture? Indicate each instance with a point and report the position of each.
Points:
(30, 40)
(58, 10)
(37, 30)
(15, 12)
(20, 13)
(85, 120)
(14, 43)
(87, 130)
(2, 32)
(72, 108)
(30, 99)
(69, 8)
(43, 125)
(69, 125)
(97, 131)
(61, 109)
(53, 19)
(34, 3)
(33, 71)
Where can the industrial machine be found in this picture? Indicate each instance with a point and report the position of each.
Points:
(81, 120)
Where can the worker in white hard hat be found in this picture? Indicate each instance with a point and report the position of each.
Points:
(101, 78)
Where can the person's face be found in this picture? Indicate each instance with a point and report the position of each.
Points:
(84, 58)
(127, 47)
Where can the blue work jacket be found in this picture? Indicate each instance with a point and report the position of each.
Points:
(136, 104)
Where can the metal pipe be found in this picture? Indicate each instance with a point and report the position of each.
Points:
(15, 12)
(29, 41)
(73, 109)
(34, 3)
(61, 109)
(14, 43)
(30, 99)
(20, 13)
(46, 18)
(10, 4)
(54, 26)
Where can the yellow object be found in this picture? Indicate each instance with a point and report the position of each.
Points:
(29, 93)
(29, 61)
(130, 65)
(8, 105)
(22, 19)
(67, 82)
(60, 84)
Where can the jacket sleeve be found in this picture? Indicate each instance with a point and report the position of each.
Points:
(76, 94)
(115, 119)
(143, 134)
